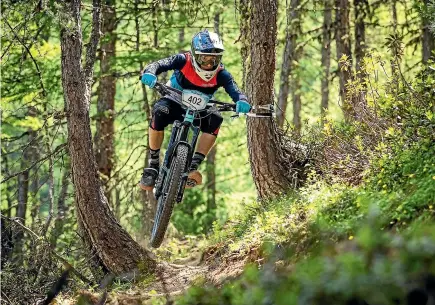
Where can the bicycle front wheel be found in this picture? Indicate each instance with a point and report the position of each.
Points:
(166, 201)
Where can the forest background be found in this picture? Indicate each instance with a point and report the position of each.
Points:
(378, 49)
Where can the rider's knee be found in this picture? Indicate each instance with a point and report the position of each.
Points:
(213, 125)
(160, 110)
(160, 115)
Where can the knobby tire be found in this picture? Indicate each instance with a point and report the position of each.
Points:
(166, 201)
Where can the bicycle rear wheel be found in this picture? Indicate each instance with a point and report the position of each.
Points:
(166, 201)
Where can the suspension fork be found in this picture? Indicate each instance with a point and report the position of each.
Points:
(179, 135)
(168, 156)
(191, 146)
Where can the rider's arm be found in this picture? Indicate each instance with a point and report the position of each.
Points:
(226, 80)
(175, 62)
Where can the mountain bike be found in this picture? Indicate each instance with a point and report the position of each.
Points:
(174, 171)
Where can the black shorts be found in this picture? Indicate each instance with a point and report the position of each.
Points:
(165, 112)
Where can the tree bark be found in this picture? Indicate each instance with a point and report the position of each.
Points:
(50, 194)
(23, 189)
(149, 202)
(342, 37)
(297, 104)
(395, 33)
(428, 37)
(8, 187)
(360, 8)
(288, 60)
(105, 129)
(211, 157)
(326, 56)
(62, 210)
(32, 153)
(216, 24)
(23, 195)
(359, 98)
(211, 179)
(181, 35)
(113, 249)
(270, 164)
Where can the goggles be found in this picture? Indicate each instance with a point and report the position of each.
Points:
(208, 59)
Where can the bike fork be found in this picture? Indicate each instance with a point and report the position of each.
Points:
(191, 147)
(165, 165)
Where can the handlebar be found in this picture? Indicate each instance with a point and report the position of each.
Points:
(164, 90)
(222, 106)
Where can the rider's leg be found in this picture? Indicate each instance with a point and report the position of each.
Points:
(164, 113)
(155, 138)
(155, 142)
(205, 143)
(210, 129)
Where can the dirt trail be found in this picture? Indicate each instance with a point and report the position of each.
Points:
(214, 267)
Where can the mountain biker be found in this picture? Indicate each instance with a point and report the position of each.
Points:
(200, 69)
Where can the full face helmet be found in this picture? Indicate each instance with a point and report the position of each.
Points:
(207, 50)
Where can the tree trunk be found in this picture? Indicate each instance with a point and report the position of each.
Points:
(62, 210)
(8, 187)
(216, 24)
(360, 34)
(288, 60)
(211, 179)
(245, 15)
(104, 136)
(181, 35)
(23, 190)
(32, 155)
(23, 195)
(296, 85)
(428, 37)
(211, 157)
(342, 37)
(50, 194)
(395, 33)
(114, 250)
(270, 163)
(149, 202)
(326, 56)
(297, 104)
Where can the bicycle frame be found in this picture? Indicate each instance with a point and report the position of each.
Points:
(179, 136)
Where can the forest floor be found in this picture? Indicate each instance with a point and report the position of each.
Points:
(213, 265)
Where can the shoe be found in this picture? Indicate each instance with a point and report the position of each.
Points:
(148, 179)
(193, 179)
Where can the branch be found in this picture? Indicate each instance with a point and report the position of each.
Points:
(58, 256)
(58, 149)
(31, 56)
(91, 49)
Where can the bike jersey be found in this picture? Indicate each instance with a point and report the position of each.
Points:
(185, 77)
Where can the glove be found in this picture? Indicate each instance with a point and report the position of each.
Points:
(242, 106)
(149, 79)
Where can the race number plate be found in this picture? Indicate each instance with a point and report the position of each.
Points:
(194, 99)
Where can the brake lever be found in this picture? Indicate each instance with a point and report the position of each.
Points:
(265, 107)
(255, 115)
(262, 115)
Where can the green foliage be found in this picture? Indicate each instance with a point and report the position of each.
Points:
(379, 268)
(192, 216)
(335, 243)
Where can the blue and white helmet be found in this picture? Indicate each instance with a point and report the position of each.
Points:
(207, 48)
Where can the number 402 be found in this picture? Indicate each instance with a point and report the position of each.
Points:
(194, 100)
